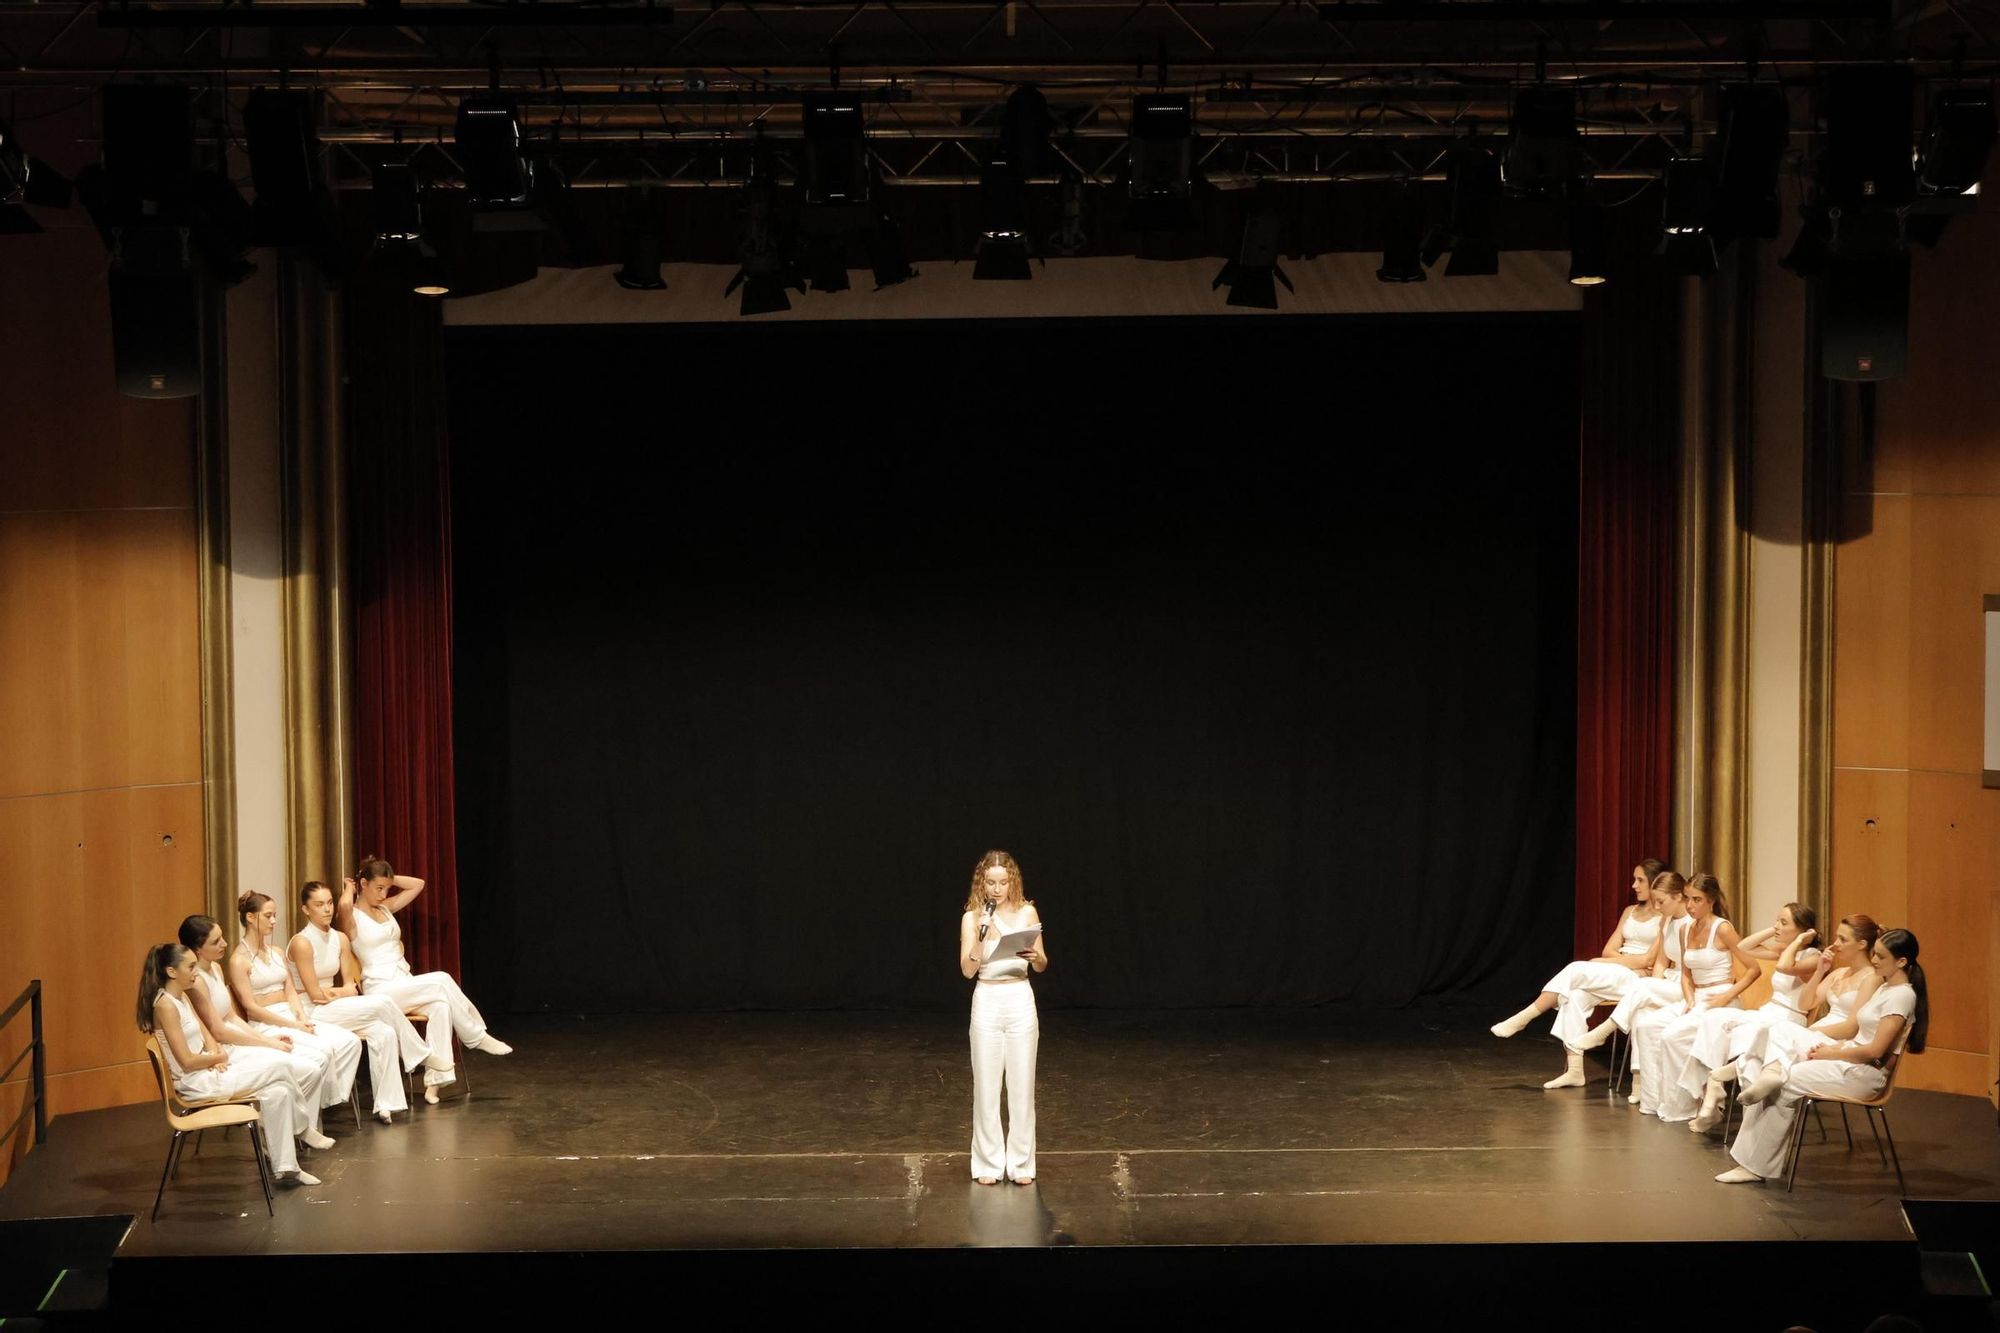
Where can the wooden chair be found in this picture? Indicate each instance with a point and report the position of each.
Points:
(1878, 1103)
(421, 1020)
(187, 1118)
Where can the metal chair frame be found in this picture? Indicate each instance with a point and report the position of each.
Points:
(193, 1118)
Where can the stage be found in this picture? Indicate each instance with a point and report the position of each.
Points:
(1378, 1145)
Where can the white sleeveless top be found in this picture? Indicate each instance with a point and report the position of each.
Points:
(1009, 968)
(1672, 953)
(1638, 936)
(1786, 990)
(1900, 1000)
(218, 994)
(190, 1033)
(325, 946)
(1840, 1007)
(1708, 967)
(378, 947)
(267, 971)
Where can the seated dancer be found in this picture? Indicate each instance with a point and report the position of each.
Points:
(1895, 1016)
(1713, 975)
(323, 972)
(368, 914)
(1845, 981)
(1663, 986)
(1580, 987)
(250, 1048)
(202, 1067)
(263, 994)
(1721, 1034)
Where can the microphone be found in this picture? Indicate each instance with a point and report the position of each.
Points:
(987, 922)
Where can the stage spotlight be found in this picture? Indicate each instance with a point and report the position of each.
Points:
(25, 179)
(1025, 126)
(641, 269)
(887, 258)
(1252, 277)
(1957, 138)
(1685, 246)
(836, 149)
(284, 168)
(1588, 266)
(1002, 254)
(499, 177)
(1069, 237)
(765, 274)
(1752, 130)
(1403, 235)
(402, 253)
(1473, 176)
(1162, 163)
(1542, 149)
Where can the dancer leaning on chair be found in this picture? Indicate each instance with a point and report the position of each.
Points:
(327, 978)
(1691, 1051)
(264, 996)
(202, 1067)
(253, 1050)
(1713, 974)
(1629, 953)
(368, 915)
(1663, 986)
(1005, 1031)
(1894, 1017)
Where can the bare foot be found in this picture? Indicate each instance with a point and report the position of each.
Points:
(988, 1180)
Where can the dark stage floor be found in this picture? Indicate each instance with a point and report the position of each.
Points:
(1329, 1127)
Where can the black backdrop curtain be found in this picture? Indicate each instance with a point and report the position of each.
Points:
(1254, 641)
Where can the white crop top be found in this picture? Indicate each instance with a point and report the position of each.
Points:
(1785, 989)
(1708, 967)
(378, 947)
(1638, 936)
(1672, 952)
(1001, 969)
(267, 971)
(1839, 1007)
(325, 946)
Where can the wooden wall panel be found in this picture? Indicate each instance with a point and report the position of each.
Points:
(1936, 427)
(1954, 855)
(1871, 630)
(1954, 563)
(1871, 848)
(99, 655)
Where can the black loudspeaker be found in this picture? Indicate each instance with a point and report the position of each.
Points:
(1864, 318)
(284, 167)
(1870, 120)
(155, 333)
(148, 153)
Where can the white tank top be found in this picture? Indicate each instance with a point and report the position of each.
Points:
(190, 1033)
(1009, 968)
(267, 971)
(1840, 1007)
(1785, 990)
(218, 994)
(1900, 1000)
(378, 947)
(1708, 967)
(1638, 936)
(325, 946)
(1672, 950)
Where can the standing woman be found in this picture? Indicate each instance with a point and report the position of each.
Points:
(1713, 974)
(328, 979)
(1582, 986)
(1005, 1032)
(201, 1066)
(264, 996)
(254, 1049)
(368, 910)
(1893, 1018)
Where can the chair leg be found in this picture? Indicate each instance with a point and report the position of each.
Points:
(166, 1168)
(1799, 1144)
(1880, 1156)
(264, 1171)
(1818, 1121)
(197, 1141)
(1902, 1189)
(175, 1153)
(1845, 1128)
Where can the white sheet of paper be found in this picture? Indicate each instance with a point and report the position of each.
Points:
(1009, 945)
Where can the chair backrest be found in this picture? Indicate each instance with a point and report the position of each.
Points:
(1758, 993)
(160, 1079)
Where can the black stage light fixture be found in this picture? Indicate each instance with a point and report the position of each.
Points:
(1069, 238)
(1869, 125)
(1025, 126)
(25, 179)
(641, 270)
(1473, 176)
(836, 149)
(1862, 309)
(1542, 146)
(1588, 263)
(403, 253)
(284, 168)
(1162, 163)
(1752, 130)
(887, 259)
(1252, 277)
(1951, 159)
(1002, 254)
(1685, 247)
(766, 273)
(499, 177)
(1403, 235)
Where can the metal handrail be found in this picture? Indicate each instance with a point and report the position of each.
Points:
(38, 1094)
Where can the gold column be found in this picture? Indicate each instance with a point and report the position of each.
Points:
(218, 714)
(317, 642)
(1711, 679)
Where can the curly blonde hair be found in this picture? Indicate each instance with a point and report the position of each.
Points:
(1016, 886)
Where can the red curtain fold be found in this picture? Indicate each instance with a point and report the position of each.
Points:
(1625, 592)
(399, 560)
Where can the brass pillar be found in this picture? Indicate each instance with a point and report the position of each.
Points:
(218, 712)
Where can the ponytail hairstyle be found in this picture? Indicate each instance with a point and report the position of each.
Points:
(373, 867)
(1709, 887)
(1866, 932)
(1654, 868)
(153, 977)
(1901, 945)
(196, 930)
(1803, 917)
(308, 889)
(1669, 883)
(249, 903)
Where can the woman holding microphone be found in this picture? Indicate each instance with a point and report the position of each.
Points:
(1004, 1031)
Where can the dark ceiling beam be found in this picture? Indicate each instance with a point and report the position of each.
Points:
(384, 16)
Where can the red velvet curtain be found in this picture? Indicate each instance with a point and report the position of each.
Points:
(399, 559)
(1625, 592)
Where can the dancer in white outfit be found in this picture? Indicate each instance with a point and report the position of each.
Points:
(368, 913)
(1691, 1052)
(1663, 986)
(1713, 975)
(250, 1049)
(264, 996)
(1005, 1032)
(1630, 952)
(327, 979)
(1893, 1018)
(202, 1067)
(1847, 984)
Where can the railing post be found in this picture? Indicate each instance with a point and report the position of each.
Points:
(41, 1060)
